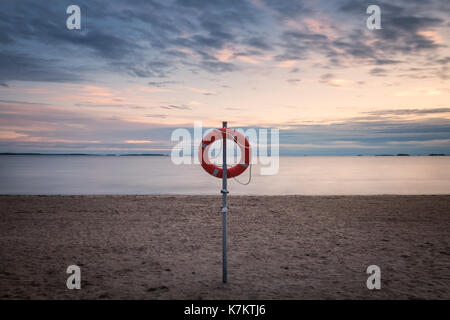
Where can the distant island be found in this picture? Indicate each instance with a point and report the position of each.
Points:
(84, 154)
(142, 154)
(408, 155)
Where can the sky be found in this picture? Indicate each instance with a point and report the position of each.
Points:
(137, 70)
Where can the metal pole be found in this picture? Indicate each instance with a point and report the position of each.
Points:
(224, 192)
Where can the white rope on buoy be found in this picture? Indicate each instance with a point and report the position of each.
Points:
(249, 177)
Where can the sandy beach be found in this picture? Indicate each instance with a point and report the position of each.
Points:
(280, 247)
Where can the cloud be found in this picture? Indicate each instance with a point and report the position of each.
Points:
(172, 107)
(326, 76)
(300, 45)
(217, 66)
(105, 42)
(409, 111)
(445, 60)
(27, 128)
(160, 84)
(155, 39)
(329, 79)
(401, 27)
(138, 141)
(149, 69)
(24, 67)
(110, 105)
(22, 102)
(379, 72)
(158, 115)
(287, 9)
(433, 142)
(201, 91)
(293, 81)
(105, 45)
(258, 43)
(382, 62)
(367, 137)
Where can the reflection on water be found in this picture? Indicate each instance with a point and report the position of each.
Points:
(157, 175)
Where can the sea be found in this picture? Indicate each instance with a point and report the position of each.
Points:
(305, 175)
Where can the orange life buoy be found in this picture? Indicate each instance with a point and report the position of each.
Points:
(224, 133)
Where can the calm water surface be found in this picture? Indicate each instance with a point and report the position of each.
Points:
(158, 175)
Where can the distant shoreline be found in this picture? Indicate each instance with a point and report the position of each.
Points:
(166, 155)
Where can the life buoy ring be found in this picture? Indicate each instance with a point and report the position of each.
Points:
(224, 133)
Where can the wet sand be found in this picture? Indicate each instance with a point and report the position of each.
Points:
(280, 247)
